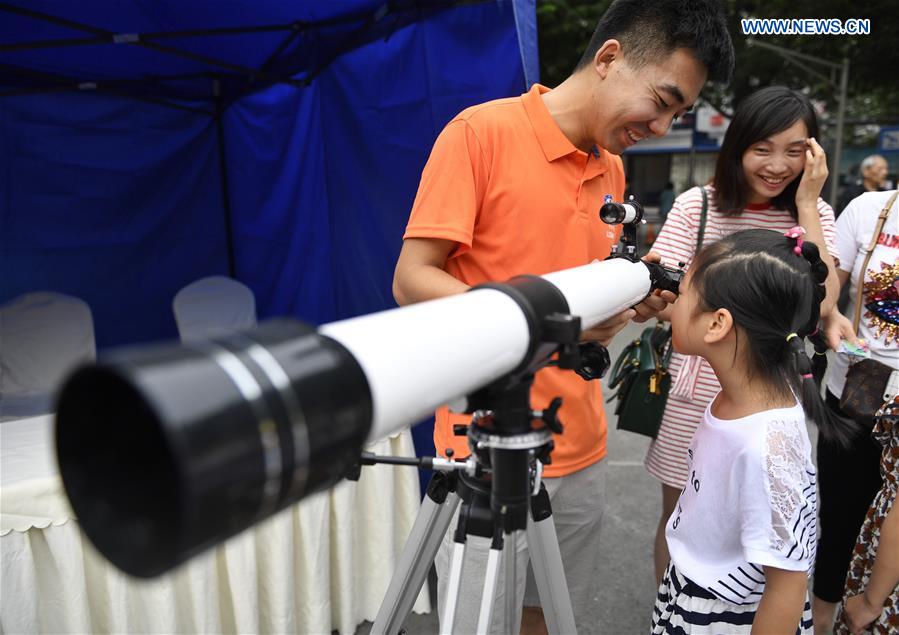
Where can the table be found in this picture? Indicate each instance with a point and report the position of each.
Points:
(322, 564)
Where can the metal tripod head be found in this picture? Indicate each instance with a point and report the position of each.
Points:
(507, 438)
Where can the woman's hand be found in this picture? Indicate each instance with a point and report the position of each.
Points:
(813, 177)
(859, 614)
(837, 327)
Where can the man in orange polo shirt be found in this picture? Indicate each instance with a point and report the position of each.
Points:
(514, 186)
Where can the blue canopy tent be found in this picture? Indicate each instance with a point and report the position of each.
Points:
(146, 144)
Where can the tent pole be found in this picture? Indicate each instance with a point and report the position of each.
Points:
(223, 175)
(134, 39)
(63, 84)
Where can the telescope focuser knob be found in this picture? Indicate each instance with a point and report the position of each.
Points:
(550, 415)
(594, 361)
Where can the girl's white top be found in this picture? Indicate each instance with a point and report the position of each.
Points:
(749, 502)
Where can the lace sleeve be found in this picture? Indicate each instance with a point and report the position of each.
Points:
(790, 489)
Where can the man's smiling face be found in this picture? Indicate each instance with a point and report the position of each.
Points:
(643, 102)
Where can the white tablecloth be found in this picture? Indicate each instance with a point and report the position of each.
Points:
(320, 565)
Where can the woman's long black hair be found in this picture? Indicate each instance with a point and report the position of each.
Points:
(762, 114)
(771, 292)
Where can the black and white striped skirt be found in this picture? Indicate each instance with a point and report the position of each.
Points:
(682, 606)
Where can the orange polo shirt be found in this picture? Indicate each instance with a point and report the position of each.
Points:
(505, 183)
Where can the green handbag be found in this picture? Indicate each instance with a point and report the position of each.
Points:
(641, 375)
(641, 371)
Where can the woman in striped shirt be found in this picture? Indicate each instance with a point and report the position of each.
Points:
(768, 175)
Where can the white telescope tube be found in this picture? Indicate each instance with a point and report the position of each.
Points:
(597, 291)
(165, 450)
(419, 357)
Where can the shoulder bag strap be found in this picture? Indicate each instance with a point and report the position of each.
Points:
(861, 276)
(620, 367)
(666, 350)
(702, 216)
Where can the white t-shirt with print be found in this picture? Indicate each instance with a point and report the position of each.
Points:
(749, 502)
(855, 226)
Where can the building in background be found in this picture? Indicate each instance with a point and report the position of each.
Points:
(685, 156)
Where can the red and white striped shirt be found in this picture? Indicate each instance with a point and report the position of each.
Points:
(666, 458)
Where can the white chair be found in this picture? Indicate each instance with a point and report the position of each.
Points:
(43, 335)
(213, 306)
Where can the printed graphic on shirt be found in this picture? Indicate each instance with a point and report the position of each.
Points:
(888, 240)
(882, 301)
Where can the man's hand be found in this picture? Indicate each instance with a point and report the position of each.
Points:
(654, 304)
(658, 301)
(605, 331)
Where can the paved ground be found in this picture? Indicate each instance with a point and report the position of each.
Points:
(625, 588)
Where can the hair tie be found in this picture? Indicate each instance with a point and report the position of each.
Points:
(791, 336)
(807, 376)
(796, 233)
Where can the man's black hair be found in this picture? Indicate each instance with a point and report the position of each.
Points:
(650, 30)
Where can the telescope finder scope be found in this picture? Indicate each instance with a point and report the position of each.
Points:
(627, 213)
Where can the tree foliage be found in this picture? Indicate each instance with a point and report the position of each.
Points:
(565, 27)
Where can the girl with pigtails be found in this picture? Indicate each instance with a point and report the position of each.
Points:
(742, 536)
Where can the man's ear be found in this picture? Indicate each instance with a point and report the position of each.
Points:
(605, 55)
(721, 324)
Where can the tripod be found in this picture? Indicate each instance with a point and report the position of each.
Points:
(431, 524)
(498, 505)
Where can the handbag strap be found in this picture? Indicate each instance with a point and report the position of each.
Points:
(861, 276)
(666, 357)
(616, 374)
(702, 217)
(661, 354)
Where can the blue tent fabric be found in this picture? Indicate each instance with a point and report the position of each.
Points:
(526, 26)
(120, 201)
(114, 204)
(134, 44)
(319, 215)
(127, 171)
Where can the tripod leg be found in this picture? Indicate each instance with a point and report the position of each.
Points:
(454, 584)
(546, 561)
(489, 593)
(512, 605)
(431, 524)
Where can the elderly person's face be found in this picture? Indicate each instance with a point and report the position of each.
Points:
(877, 172)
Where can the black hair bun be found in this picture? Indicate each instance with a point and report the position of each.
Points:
(818, 268)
